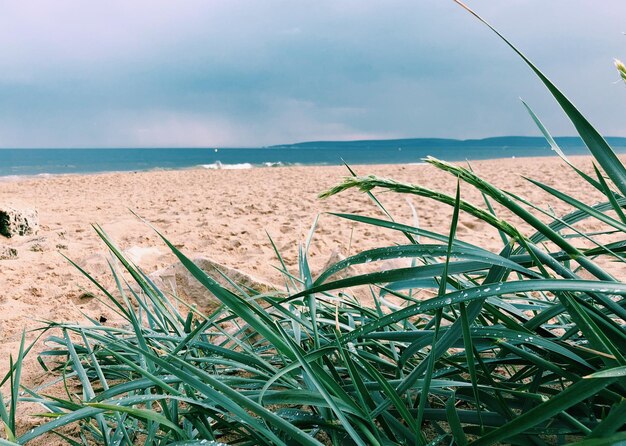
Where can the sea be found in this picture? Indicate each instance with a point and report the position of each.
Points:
(18, 163)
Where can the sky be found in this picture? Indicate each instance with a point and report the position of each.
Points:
(236, 73)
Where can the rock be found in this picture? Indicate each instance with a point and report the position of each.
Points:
(18, 221)
(7, 253)
(178, 279)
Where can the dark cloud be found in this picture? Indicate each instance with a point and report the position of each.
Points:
(249, 73)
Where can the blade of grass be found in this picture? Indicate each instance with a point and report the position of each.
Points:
(455, 422)
(555, 147)
(424, 394)
(578, 391)
(417, 251)
(592, 139)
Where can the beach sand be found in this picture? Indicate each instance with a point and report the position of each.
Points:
(223, 215)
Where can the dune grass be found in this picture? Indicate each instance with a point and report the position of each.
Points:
(525, 346)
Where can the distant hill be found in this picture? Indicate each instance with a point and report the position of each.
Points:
(505, 142)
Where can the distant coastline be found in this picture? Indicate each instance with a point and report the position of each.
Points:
(566, 142)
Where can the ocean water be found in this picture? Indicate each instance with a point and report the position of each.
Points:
(29, 162)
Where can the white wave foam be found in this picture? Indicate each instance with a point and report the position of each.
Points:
(7, 178)
(219, 165)
(11, 178)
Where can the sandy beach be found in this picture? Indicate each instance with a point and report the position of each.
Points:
(223, 215)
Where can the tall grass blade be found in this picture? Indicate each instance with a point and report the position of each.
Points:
(561, 402)
(593, 140)
(424, 394)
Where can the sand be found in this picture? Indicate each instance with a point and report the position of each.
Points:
(224, 215)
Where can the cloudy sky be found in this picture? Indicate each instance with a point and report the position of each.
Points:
(235, 73)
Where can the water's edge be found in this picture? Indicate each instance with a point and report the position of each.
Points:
(21, 163)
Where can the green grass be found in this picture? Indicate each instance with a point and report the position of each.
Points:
(525, 346)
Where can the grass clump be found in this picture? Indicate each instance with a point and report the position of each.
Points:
(524, 346)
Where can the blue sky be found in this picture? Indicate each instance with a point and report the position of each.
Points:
(237, 73)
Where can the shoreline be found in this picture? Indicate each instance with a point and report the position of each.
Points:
(266, 165)
(36, 162)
